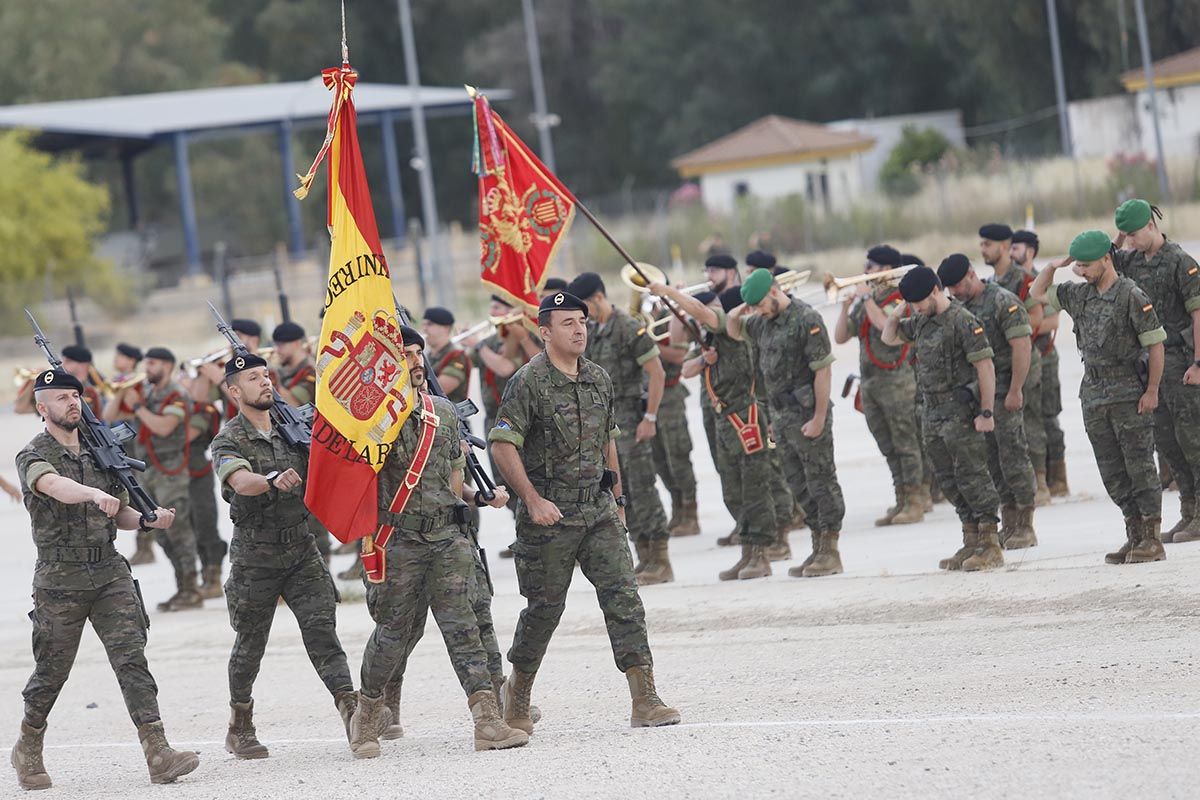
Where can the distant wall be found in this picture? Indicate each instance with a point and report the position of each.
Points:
(1122, 123)
(886, 132)
(833, 183)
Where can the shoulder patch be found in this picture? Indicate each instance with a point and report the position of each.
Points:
(1012, 308)
(504, 423)
(640, 332)
(1193, 270)
(814, 330)
(978, 330)
(1148, 306)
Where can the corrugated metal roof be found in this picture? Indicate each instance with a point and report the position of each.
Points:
(770, 137)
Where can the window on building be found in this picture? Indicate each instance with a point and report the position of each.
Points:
(740, 189)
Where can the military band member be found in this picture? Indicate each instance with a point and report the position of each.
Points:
(76, 510)
(957, 383)
(126, 358)
(76, 361)
(551, 287)
(451, 363)
(204, 422)
(555, 439)
(210, 379)
(1171, 279)
(672, 443)
(272, 555)
(1114, 322)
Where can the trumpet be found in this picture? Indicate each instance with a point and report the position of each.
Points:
(488, 325)
(23, 375)
(110, 388)
(888, 277)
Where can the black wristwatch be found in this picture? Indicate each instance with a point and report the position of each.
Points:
(271, 476)
(986, 413)
(620, 501)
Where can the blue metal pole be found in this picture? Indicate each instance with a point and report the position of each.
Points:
(187, 204)
(391, 163)
(290, 203)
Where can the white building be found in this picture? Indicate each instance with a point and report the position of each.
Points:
(886, 131)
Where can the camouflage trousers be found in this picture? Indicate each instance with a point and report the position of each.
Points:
(1008, 458)
(439, 576)
(1056, 448)
(545, 556)
(202, 492)
(672, 446)
(1177, 424)
(116, 614)
(888, 404)
(179, 540)
(959, 455)
(252, 594)
(743, 480)
(644, 510)
(1034, 418)
(1123, 442)
(809, 468)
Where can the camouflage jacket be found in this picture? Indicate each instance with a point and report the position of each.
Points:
(205, 419)
(1004, 318)
(491, 385)
(732, 378)
(790, 349)
(453, 361)
(621, 347)
(301, 381)
(165, 453)
(948, 345)
(1171, 279)
(74, 542)
(876, 359)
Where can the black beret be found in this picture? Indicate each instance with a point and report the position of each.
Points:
(411, 336)
(161, 353)
(246, 326)
(885, 256)
(287, 332)
(439, 316)
(243, 362)
(554, 285)
(585, 286)
(498, 299)
(759, 259)
(1025, 237)
(996, 232)
(129, 351)
(56, 379)
(777, 271)
(721, 261)
(731, 298)
(907, 259)
(562, 301)
(77, 352)
(918, 283)
(705, 297)
(953, 269)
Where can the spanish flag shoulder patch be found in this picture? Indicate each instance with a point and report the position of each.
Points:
(1193, 270)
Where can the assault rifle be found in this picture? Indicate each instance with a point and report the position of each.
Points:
(294, 424)
(104, 442)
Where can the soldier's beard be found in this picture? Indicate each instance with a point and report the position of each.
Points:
(417, 378)
(262, 404)
(66, 421)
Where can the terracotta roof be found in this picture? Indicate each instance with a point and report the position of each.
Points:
(772, 139)
(1181, 69)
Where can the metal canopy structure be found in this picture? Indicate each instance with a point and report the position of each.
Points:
(130, 125)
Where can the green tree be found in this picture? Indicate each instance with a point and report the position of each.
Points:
(917, 148)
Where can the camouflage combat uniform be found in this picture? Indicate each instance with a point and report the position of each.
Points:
(301, 381)
(491, 389)
(273, 555)
(166, 478)
(453, 362)
(1056, 446)
(672, 444)
(1017, 281)
(205, 419)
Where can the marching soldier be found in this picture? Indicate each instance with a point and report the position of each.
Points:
(1010, 335)
(76, 361)
(1114, 322)
(1171, 279)
(551, 287)
(621, 346)
(794, 355)
(957, 383)
(424, 559)
(497, 358)
(76, 510)
(204, 422)
(210, 379)
(672, 444)
(887, 386)
(450, 363)
(556, 442)
(126, 358)
(273, 554)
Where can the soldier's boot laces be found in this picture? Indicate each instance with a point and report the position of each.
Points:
(491, 731)
(658, 570)
(186, 596)
(642, 548)
(798, 571)
(970, 539)
(1122, 553)
(1188, 527)
(1056, 477)
(242, 739)
(732, 573)
(926, 496)
(26, 758)
(890, 514)
(912, 507)
(144, 554)
(649, 711)
(535, 713)
(370, 720)
(1042, 496)
(346, 703)
(354, 572)
(391, 699)
(164, 762)
(1023, 534)
(732, 540)
(210, 588)
(518, 713)
(757, 566)
(828, 561)
(688, 521)
(988, 554)
(781, 548)
(1146, 545)
(1008, 516)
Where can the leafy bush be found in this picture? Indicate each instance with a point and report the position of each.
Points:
(917, 149)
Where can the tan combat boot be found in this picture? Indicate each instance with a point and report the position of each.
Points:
(1188, 525)
(758, 565)
(26, 758)
(144, 554)
(491, 731)
(798, 571)
(1008, 516)
(732, 573)
(165, 763)
(516, 694)
(658, 569)
(732, 540)
(242, 740)
(1146, 546)
(186, 596)
(781, 548)
(354, 572)
(346, 704)
(936, 495)
(642, 548)
(370, 720)
(926, 496)
(391, 699)
(649, 711)
(890, 514)
(535, 713)
(1056, 477)
(1023, 535)
(970, 539)
(688, 521)
(912, 507)
(988, 554)
(828, 560)
(1122, 553)
(210, 588)
(675, 504)
(1042, 496)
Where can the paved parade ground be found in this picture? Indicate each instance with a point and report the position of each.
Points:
(1057, 676)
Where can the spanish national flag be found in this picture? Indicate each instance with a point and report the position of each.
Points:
(363, 389)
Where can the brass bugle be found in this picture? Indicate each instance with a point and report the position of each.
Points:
(889, 277)
(487, 325)
(109, 388)
(23, 375)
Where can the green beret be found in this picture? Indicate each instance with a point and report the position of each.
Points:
(757, 285)
(1090, 246)
(1132, 215)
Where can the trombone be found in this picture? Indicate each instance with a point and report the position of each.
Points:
(488, 325)
(888, 277)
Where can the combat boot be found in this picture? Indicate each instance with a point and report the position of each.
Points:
(936, 495)
(347, 548)
(391, 699)
(758, 565)
(26, 758)
(676, 503)
(688, 521)
(1122, 553)
(890, 514)
(1056, 477)
(780, 549)
(211, 587)
(186, 596)
(1042, 496)
(370, 720)
(799, 518)
(1008, 516)
(642, 548)
(732, 540)
(798, 572)
(1146, 546)
(649, 711)
(1188, 528)
(346, 703)
(165, 763)
(144, 554)
(516, 693)
(658, 568)
(828, 561)
(970, 539)
(926, 497)
(988, 554)
(535, 713)
(354, 572)
(242, 740)
(732, 573)
(1023, 535)
(491, 731)
(912, 507)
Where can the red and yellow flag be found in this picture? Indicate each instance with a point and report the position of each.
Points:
(363, 389)
(524, 210)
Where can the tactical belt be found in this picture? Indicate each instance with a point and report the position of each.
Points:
(1101, 371)
(76, 555)
(414, 523)
(583, 495)
(294, 533)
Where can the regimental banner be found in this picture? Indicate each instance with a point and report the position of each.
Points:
(363, 389)
(525, 212)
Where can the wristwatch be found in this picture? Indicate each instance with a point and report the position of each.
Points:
(271, 476)
(620, 501)
(650, 417)
(986, 413)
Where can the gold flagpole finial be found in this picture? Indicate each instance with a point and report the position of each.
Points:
(472, 92)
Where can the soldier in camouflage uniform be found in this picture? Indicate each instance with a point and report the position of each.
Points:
(795, 355)
(888, 387)
(76, 510)
(272, 555)
(203, 425)
(672, 444)
(555, 437)
(451, 364)
(1010, 335)
(428, 562)
(622, 347)
(1171, 279)
(957, 383)
(1114, 322)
